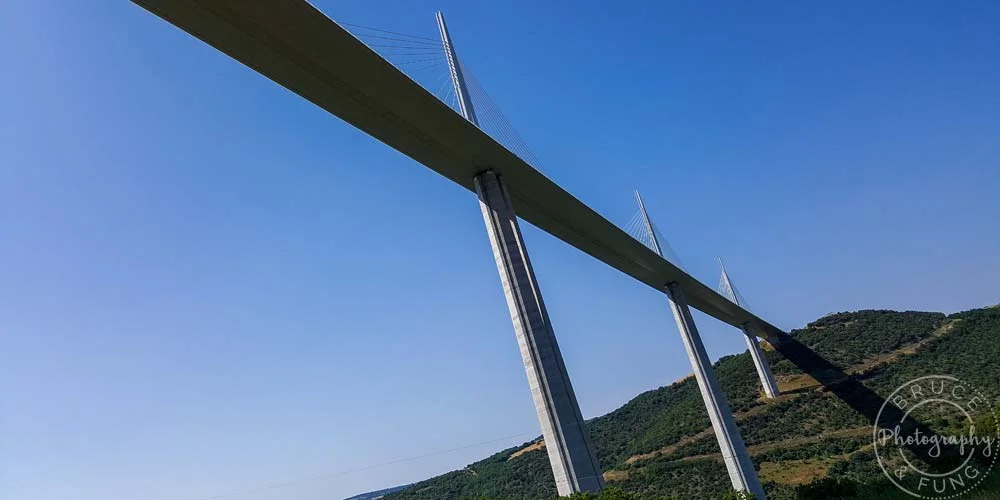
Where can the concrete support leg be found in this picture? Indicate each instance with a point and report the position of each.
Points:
(760, 362)
(574, 463)
(734, 451)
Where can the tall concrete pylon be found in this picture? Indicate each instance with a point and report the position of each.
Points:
(734, 452)
(574, 464)
(759, 361)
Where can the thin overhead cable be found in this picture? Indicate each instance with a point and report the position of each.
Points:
(391, 39)
(410, 47)
(665, 248)
(440, 59)
(728, 290)
(498, 123)
(450, 100)
(442, 90)
(361, 469)
(409, 54)
(380, 30)
(420, 58)
(492, 119)
(636, 228)
(437, 64)
(633, 227)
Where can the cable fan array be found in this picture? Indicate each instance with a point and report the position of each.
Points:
(637, 229)
(729, 290)
(423, 59)
(400, 48)
(494, 122)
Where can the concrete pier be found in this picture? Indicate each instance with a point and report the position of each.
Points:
(759, 361)
(574, 463)
(734, 451)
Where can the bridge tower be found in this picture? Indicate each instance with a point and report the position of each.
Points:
(567, 442)
(734, 451)
(759, 361)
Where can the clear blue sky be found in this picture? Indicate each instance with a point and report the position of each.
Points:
(210, 285)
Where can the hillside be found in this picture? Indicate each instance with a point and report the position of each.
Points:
(660, 443)
(374, 495)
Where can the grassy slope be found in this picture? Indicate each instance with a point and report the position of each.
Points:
(659, 443)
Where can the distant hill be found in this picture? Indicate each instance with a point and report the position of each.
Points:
(661, 443)
(377, 494)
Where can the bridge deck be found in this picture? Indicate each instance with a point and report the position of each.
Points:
(299, 47)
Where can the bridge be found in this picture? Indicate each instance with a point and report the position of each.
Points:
(299, 47)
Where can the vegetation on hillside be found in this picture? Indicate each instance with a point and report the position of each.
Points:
(806, 443)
